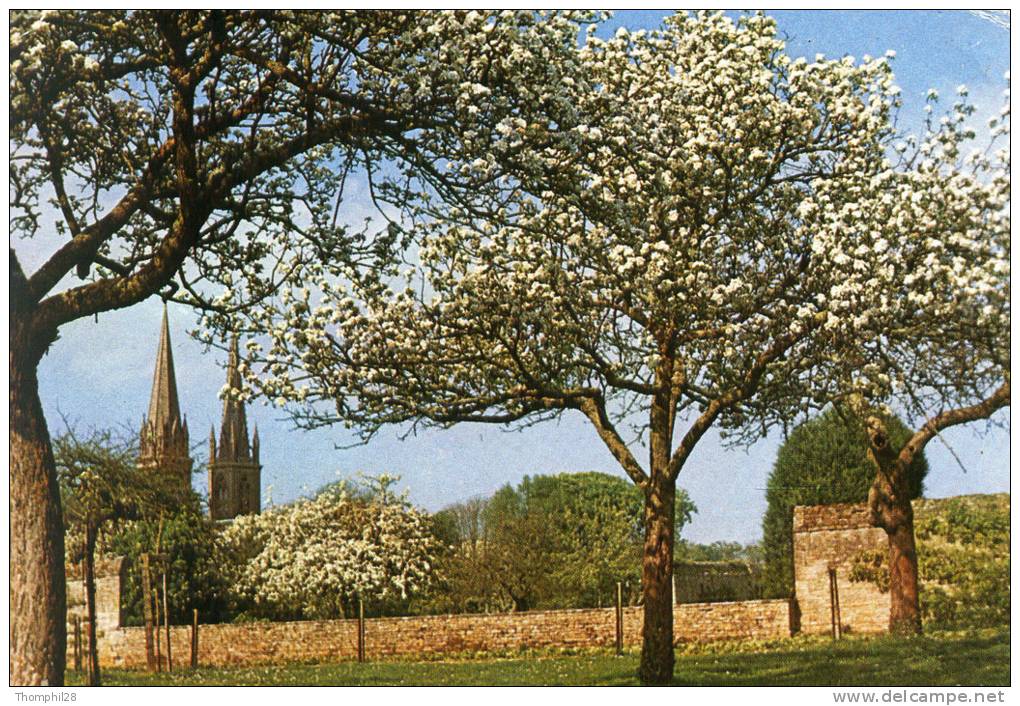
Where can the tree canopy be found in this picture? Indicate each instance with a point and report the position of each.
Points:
(553, 541)
(687, 229)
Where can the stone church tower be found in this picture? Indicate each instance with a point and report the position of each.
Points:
(163, 445)
(234, 470)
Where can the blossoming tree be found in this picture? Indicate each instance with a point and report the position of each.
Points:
(315, 558)
(924, 274)
(657, 238)
(201, 156)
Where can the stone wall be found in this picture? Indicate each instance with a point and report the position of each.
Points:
(830, 536)
(335, 640)
(110, 581)
(824, 537)
(709, 581)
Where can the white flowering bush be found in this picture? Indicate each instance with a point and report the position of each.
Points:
(316, 557)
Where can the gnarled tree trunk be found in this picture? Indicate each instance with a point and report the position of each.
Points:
(905, 610)
(38, 603)
(889, 501)
(657, 582)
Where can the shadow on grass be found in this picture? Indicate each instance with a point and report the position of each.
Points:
(947, 659)
(969, 660)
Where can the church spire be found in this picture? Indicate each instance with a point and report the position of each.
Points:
(163, 405)
(234, 427)
(234, 470)
(163, 446)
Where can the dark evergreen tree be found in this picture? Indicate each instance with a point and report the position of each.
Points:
(825, 460)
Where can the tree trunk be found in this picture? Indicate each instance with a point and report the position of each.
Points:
(889, 502)
(657, 583)
(38, 601)
(904, 609)
(89, 566)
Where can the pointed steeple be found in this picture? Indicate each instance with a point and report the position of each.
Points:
(234, 470)
(234, 427)
(163, 405)
(163, 445)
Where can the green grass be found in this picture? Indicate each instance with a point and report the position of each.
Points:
(973, 658)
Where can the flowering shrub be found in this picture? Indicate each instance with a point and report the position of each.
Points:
(314, 558)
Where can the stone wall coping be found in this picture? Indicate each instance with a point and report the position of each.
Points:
(284, 624)
(843, 516)
(728, 564)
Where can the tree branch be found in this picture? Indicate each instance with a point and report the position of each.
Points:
(982, 410)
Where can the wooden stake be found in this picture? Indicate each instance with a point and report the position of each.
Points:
(361, 630)
(619, 618)
(159, 654)
(77, 643)
(166, 622)
(837, 627)
(150, 654)
(194, 638)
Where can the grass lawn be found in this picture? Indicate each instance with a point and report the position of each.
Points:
(974, 658)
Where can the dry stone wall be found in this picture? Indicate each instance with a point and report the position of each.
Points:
(708, 581)
(831, 536)
(824, 537)
(336, 640)
(110, 581)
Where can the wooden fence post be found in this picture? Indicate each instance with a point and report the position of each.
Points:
(837, 623)
(166, 623)
(361, 630)
(87, 646)
(159, 650)
(77, 643)
(150, 654)
(194, 638)
(619, 618)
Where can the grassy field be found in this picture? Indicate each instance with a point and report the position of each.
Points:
(943, 659)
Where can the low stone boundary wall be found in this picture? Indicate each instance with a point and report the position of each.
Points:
(336, 640)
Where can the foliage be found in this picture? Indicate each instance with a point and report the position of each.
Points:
(203, 155)
(102, 486)
(823, 461)
(196, 575)
(316, 557)
(963, 557)
(943, 659)
(718, 551)
(557, 541)
(677, 230)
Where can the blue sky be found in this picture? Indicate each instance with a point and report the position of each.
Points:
(99, 373)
